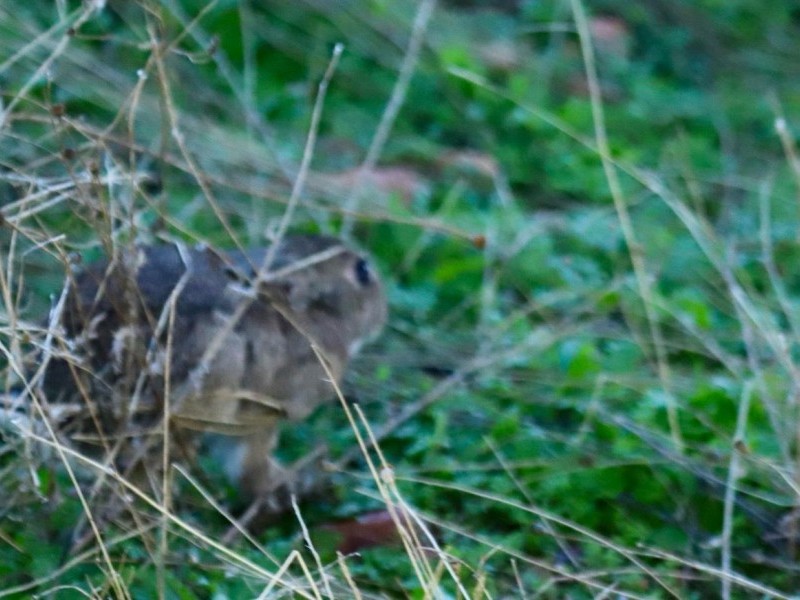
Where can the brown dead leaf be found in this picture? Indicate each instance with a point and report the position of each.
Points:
(501, 55)
(400, 180)
(611, 36)
(365, 531)
(470, 161)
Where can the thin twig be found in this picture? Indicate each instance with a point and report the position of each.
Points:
(389, 115)
(215, 345)
(308, 153)
(620, 204)
(734, 473)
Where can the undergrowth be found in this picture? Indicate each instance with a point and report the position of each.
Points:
(587, 218)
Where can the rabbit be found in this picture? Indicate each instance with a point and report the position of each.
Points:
(216, 344)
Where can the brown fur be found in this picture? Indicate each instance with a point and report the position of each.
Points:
(141, 328)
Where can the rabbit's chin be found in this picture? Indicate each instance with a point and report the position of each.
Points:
(355, 346)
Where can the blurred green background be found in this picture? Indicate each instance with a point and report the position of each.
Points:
(588, 391)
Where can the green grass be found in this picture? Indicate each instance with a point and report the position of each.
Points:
(589, 383)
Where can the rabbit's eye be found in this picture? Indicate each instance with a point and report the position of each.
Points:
(363, 273)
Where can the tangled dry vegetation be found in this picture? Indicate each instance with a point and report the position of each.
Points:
(588, 227)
